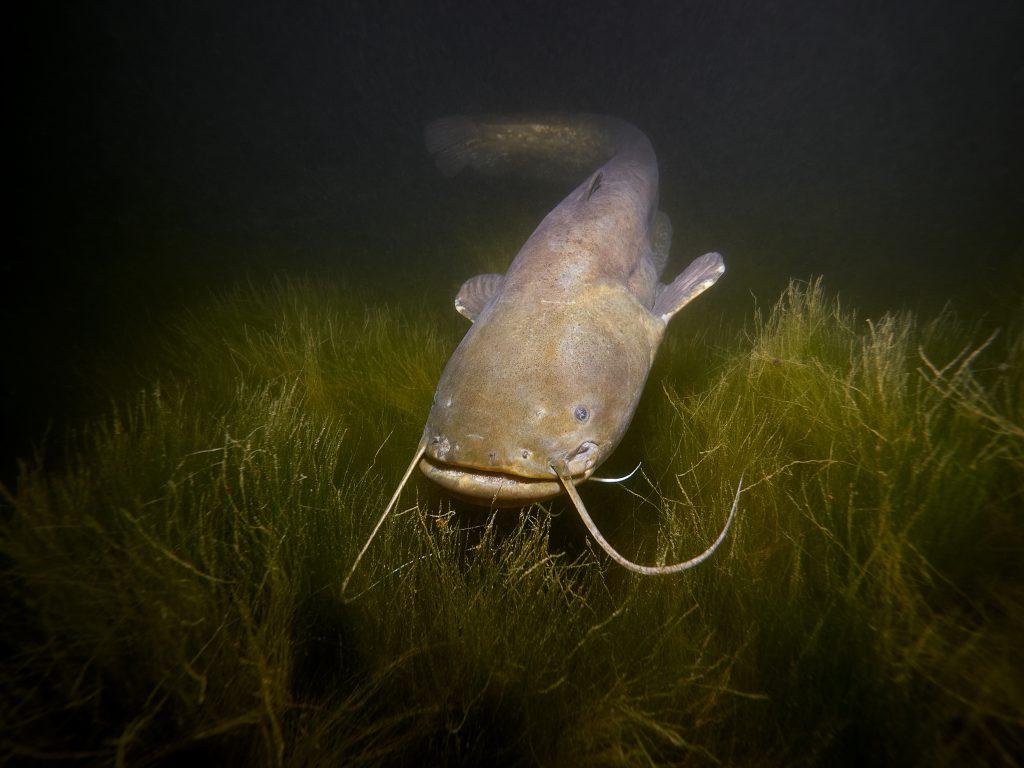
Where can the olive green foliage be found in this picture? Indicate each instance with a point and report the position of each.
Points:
(171, 586)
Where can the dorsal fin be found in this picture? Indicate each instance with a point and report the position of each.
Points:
(475, 293)
(702, 273)
(661, 241)
(593, 186)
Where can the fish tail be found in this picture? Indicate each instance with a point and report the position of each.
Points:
(552, 147)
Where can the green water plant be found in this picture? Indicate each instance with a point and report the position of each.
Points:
(171, 582)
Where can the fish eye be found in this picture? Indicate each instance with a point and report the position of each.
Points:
(580, 413)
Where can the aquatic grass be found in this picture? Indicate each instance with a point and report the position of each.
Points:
(380, 362)
(877, 479)
(172, 584)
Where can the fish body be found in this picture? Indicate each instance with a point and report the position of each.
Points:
(545, 382)
(552, 369)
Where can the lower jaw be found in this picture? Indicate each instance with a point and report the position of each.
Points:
(493, 488)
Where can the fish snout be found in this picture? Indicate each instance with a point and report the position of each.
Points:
(474, 451)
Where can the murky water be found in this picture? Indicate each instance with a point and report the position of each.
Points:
(170, 154)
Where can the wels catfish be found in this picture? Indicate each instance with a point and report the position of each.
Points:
(546, 380)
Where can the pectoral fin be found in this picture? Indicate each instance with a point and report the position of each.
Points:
(691, 283)
(475, 293)
(661, 241)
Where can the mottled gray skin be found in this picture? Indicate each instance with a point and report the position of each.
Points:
(571, 326)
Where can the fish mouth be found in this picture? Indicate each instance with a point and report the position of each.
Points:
(490, 488)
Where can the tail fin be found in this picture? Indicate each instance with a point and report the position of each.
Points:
(554, 147)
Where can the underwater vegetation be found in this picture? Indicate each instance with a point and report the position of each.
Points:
(171, 584)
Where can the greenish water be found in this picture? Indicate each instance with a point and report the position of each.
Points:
(172, 572)
(228, 300)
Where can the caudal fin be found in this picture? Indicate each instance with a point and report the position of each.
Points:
(453, 141)
(553, 147)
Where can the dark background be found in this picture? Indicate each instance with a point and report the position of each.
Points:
(167, 148)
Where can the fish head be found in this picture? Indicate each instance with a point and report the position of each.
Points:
(526, 392)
